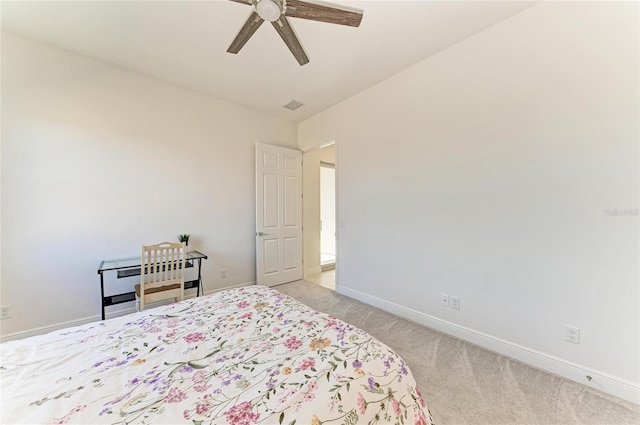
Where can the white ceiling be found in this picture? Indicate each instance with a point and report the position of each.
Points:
(185, 42)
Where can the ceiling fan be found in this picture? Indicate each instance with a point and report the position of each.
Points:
(277, 11)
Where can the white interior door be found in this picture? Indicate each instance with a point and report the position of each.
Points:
(278, 215)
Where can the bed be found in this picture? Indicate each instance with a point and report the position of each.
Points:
(243, 356)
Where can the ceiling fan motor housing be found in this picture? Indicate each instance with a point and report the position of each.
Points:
(269, 10)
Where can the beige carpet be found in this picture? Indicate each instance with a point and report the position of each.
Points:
(465, 384)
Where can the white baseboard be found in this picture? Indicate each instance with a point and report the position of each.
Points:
(109, 315)
(327, 267)
(602, 381)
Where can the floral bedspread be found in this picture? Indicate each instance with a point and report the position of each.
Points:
(243, 356)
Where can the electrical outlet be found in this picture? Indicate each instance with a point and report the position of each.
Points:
(455, 302)
(572, 334)
(5, 312)
(444, 300)
(223, 273)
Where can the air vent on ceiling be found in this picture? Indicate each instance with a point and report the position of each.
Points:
(293, 105)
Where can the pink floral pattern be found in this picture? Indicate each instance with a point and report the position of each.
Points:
(241, 414)
(293, 343)
(307, 363)
(244, 356)
(194, 337)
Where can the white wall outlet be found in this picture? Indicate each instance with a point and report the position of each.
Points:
(455, 302)
(5, 312)
(444, 300)
(223, 273)
(572, 334)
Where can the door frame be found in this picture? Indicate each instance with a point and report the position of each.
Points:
(339, 225)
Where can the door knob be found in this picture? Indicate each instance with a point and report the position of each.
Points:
(262, 234)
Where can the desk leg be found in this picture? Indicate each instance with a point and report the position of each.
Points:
(199, 277)
(102, 293)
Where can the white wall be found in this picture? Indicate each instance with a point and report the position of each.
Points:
(311, 204)
(97, 161)
(486, 171)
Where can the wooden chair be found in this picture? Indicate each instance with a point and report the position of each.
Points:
(161, 273)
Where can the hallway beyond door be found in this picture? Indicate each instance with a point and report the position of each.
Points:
(325, 279)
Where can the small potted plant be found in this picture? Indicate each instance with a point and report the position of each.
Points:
(184, 237)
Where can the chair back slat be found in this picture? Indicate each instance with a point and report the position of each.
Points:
(162, 272)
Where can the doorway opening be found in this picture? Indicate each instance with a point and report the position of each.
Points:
(319, 215)
(327, 216)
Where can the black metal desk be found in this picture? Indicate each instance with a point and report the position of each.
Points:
(127, 267)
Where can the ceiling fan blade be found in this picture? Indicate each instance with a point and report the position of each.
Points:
(319, 12)
(289, 37)
(247, 2)
(247, 30)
